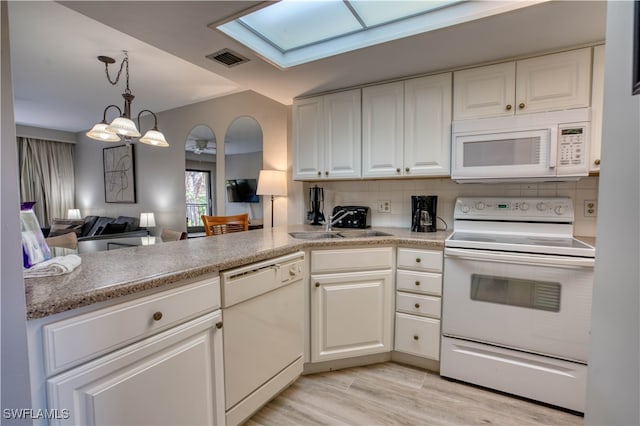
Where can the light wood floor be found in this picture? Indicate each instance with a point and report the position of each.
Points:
(394, 394)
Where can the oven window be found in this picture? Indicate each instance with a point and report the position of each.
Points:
(540, 295)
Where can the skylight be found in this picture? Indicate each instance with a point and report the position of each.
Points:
(293, 32)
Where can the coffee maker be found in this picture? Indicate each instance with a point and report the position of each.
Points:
(315, 214)
(424, 213)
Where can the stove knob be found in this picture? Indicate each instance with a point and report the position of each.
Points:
(464, 208)
(541, 206)
(480, 205)
(559, 210)
(524, 207)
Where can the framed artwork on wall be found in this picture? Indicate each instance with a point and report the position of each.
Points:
(635, 89)
(119, 174)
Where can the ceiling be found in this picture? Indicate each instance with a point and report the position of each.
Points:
(59, 83)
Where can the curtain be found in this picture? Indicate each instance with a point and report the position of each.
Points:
(47, 177)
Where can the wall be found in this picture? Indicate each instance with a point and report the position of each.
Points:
(160, 171)
(14, 376)
(399, 193)
(245, 166)
(614, 358)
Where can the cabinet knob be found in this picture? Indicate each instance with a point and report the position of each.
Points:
(317, 284)
(157, 316)
(407, 169)
(418, 260)
(521, 106)
(319, 173)
(398, 170)
(417, 282)
(219, 325)
(416, 337)
(596, 162)
(417, 305)
(509, 107)
(326, 173)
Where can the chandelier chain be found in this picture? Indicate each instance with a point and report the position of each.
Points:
(124, 62)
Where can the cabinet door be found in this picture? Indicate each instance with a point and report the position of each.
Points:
(554, 82)
(484, 91)
(343, 138)
(351, 314)
(171, 378)
(308, 133)
(597, 95)
(382, 130)
(427, 126)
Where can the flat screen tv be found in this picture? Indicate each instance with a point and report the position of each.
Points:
(242, 191)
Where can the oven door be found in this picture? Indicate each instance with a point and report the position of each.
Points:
(536, 303)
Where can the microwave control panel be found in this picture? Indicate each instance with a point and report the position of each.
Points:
(572, 145)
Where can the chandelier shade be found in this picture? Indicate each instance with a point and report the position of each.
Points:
(124, 126)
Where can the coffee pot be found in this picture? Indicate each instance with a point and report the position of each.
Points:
(424, 213)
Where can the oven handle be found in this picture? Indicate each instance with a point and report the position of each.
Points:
(527, 259)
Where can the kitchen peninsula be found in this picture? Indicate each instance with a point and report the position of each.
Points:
(128, 320)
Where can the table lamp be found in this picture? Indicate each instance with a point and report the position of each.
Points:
(147, 220)
(272, 182)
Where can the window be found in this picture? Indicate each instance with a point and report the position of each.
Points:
(197, 185)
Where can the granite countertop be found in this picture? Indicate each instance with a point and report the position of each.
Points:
(110, 274)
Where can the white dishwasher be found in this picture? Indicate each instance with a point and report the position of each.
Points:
(263, 315)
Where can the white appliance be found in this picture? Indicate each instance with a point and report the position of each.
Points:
(529, 147)
(517, 299)
(263, 317)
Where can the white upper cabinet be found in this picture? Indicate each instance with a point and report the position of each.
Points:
(327, 136)
(407, 127)
(545, 83)
(597, 94)
(427, 125)
(383, 130)
(484, 92)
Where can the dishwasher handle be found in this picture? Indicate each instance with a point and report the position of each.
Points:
(520, 258)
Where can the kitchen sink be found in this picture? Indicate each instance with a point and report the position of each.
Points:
(314, 235)
(363, 234)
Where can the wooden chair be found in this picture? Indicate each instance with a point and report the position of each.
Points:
(171, 235)
(217, 225)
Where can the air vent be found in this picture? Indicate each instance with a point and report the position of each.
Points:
(227, 57)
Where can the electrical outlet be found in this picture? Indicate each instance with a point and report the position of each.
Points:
(384, 206)
(590, 208)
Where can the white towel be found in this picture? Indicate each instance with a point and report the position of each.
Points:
(56, 266)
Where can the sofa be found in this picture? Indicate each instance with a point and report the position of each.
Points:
(97, 227)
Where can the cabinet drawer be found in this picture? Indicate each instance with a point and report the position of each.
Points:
(419, 282)
(420, 260)
(350, 260)
(415, 304)
(78, 339)
(418, 336)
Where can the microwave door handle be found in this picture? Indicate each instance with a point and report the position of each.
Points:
(553, 147)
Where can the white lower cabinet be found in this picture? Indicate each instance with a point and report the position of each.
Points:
(159, 363)
(418, 302)
(351, 312)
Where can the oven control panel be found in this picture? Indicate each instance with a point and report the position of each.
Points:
(545, 209)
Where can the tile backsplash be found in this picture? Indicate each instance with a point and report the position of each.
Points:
(399, 192)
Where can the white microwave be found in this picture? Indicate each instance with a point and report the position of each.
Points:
(550, 146)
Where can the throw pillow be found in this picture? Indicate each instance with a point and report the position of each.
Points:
(113, 228)
(64, 226)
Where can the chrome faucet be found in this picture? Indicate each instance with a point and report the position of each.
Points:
(340, 214)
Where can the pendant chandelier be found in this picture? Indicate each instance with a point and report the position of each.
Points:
(123, 126)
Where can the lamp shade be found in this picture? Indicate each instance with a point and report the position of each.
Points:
(99, 132)
(272, 182)
(155, 138)
(147, 220)
(124, 126)
(73, 214)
